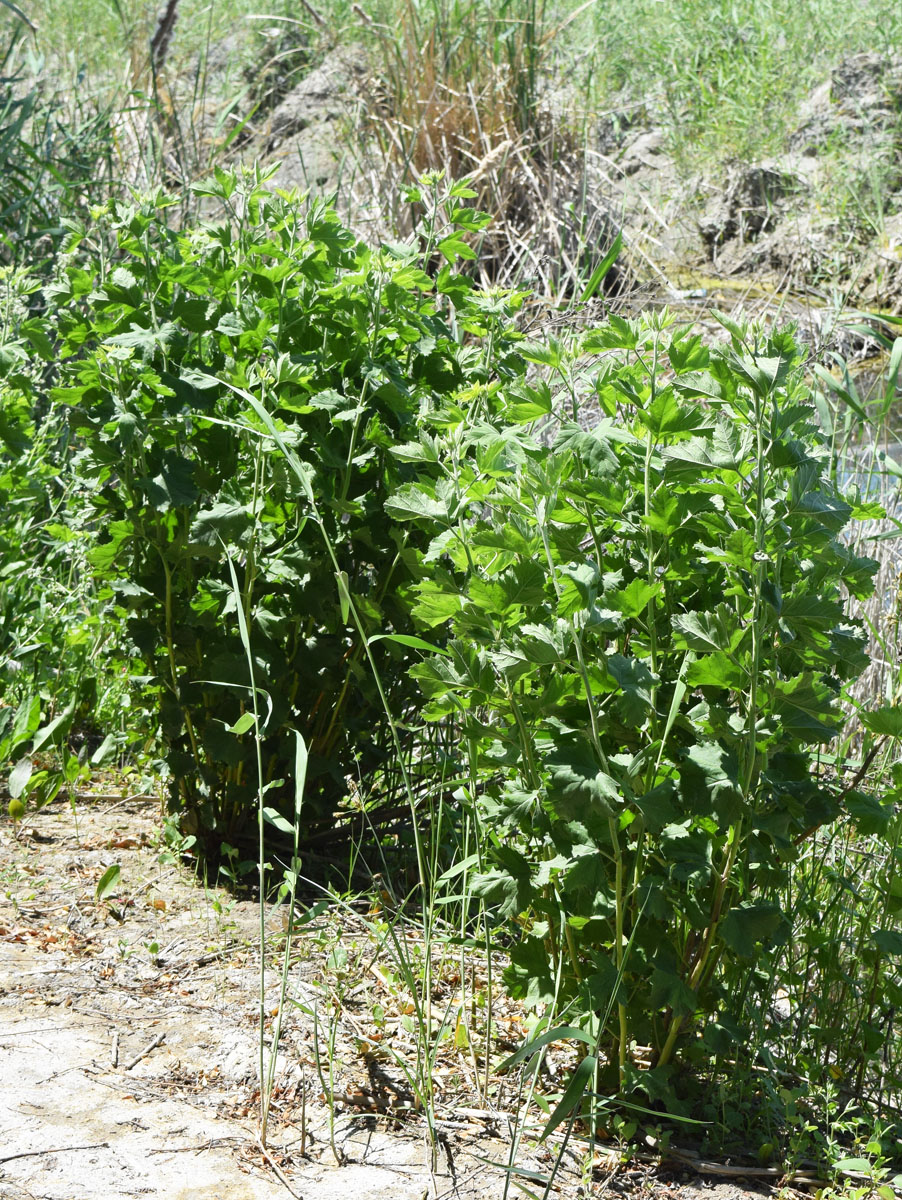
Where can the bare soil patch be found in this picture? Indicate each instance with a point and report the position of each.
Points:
(129, 1051)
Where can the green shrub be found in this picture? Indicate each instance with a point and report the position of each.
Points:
(161, 345)
(60, 679)
(649, 643)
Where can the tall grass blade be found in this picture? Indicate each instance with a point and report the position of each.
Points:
(597, 277)
(14, 8)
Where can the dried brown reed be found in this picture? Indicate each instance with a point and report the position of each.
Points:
(464, 92)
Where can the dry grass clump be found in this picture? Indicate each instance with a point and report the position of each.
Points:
(464, 90)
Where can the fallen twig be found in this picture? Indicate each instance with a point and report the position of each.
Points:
(209, 1144)
(705, 1167)
(52, 1150)
(114, 1049)
(278, 1170)
(203, 960)
(157, 1041)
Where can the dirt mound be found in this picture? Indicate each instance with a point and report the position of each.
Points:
(768, 219)
(862, 99)
(880, 282)
(308, 129)
(749, 205)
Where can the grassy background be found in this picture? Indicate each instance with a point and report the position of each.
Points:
(725, 76)
(463, 80)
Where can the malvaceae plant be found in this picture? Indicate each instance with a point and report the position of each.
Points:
(648, 642)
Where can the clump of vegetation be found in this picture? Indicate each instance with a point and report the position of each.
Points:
(159, 342)
(649, 640)
(467, 89)
(288, 508)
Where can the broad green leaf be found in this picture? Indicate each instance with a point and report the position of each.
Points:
(104, 750)
(808, 610)
(453, 246)
(544, 644)
(25, 723)
(666, 414)
(636, 683)
(548, 353)
(687, 352)
(888, 941)
(616, 334)
(870, 814)
(436, 603)
(806, 707)
(724, 450)
(108, 881)
(698, 383)
(634, 599)
(658, 806)
(748, 924)
(579, 784)
(272, 817)
(528, 976)
(528, 402)
(510, 888)
(886, 722)
(231, 324)
(709, 780)
(670, 990)
(224, 521)
(412, 501)
(19, 777)
(860, 1165)
(587, 883)
(708, 632)
(174, 486)
(55, 730)
(716, 670)
(762, 374)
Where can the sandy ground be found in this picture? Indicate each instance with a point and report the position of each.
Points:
(128, 1042)
(129, 1046)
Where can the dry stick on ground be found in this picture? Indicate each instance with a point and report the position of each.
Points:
(157, 1041)
(53, 1150)
(275, 1166)
(209, 1144)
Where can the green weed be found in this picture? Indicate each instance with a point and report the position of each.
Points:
(642, 663)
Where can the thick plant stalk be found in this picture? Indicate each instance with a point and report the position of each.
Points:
(619, 892)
